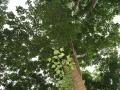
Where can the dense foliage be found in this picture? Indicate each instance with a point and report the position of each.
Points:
(35, 47)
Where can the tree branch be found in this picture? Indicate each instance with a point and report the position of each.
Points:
(77, 3)
(92, 6)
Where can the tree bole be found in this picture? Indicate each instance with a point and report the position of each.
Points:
(76, 73)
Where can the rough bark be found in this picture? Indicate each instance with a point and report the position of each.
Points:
(77, 80)
(76, 73)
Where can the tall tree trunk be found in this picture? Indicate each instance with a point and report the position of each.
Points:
(76, 73)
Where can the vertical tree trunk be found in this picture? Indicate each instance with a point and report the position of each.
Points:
(77, 79)
(76, 73)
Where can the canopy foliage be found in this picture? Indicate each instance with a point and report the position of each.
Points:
(28, 42)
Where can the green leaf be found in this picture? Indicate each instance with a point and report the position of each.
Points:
(49, 59)
(58, 72)
(55, 57)
(53, 66)
(61, 55)
(56, 52)
(61, 49)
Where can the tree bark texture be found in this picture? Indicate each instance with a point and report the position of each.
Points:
(76, 73)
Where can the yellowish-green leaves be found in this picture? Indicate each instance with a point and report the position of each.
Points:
(56, 52)
(61, 49)
(59, 61)
(61, 64)
(61, 55)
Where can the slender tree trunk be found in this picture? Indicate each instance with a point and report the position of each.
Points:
(76, 73)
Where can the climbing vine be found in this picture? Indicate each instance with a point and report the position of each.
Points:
(61, 64)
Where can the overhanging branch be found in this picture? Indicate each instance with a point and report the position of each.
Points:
(92, 6)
